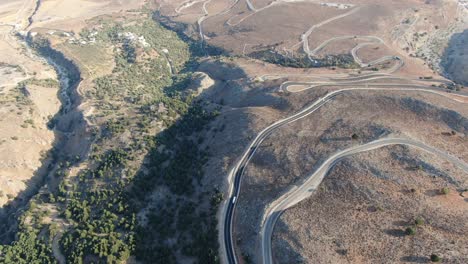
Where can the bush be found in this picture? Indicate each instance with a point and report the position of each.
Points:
(419, 221)
(435, 258)
(410, 231)
(445, 190)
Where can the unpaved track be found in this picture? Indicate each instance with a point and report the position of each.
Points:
(299, 193)
(205, 15)
(251, 6)
(306, 35)
(203, 18)
(254, 10)
(187, 4)
(327, 42)
(369, 41)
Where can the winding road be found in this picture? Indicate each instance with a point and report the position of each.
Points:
(345, 84)
(305, 190)
(236, 174)
(306, 35)
(255, 10)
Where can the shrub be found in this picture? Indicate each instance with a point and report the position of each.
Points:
(445, 190)
(410, 231)
(435, 258)
(419, 221)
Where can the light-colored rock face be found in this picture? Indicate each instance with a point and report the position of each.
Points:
(201, 81)
(455, 59)
(463, 3)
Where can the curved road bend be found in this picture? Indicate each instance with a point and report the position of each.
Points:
(255, 10)
(284, 86)
(236, 173)
(359, 79)
(376, 40)
(203, 18)
(370, 41)
(186, 5)
(297, 194)
(305, 36)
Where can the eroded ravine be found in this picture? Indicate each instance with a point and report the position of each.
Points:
(36, 8)
(68, 126)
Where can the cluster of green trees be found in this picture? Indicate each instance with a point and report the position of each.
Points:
(116, 126)
(143, 81)
(28, 248)
(302, 60)
(102, 223)
(100, 204)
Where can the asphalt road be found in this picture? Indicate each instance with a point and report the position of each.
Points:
(305, 190)
(348, 84)
(236, 174)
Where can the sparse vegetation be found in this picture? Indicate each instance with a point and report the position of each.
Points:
(48, 83)
(302, 61)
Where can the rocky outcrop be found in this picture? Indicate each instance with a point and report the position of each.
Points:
(200, 82)
(454, 61)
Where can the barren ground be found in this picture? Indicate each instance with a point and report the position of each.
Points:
(378, 196)
(24, 136)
